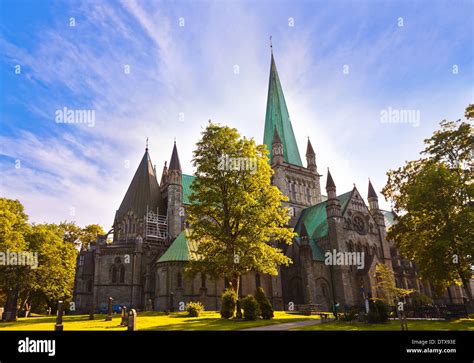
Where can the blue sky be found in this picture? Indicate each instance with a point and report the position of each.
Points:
(398, 54)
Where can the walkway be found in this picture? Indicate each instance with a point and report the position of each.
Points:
(285, 326)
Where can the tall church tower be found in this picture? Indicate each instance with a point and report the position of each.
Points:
(300, 184)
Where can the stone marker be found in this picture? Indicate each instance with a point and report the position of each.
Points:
(132, 320)
(124, 316)
(59, 317)
(109, 311)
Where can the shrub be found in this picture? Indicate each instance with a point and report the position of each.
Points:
(264, 304)
(229, 300)
(422, 299)
(194, 308)
(251, 308)
(378, 312)
(349, 315)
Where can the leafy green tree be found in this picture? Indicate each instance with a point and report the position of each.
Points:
(71, 232)
(89, 234)
(54, 277)
(386, 285)
(434, 199)
(236, 216)
(13, 228)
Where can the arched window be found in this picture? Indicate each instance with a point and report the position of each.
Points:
(203, 280)
(122, 273)
(113, 274)
(257, 280)
(89, 286)
(179, 280)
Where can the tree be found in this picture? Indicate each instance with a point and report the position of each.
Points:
(13, 227)
(53, 280)
(89, 234)
(386, 284)
(434, 199)
(236, 216)
(54, 246)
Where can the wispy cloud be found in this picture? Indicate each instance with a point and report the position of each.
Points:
(181, 76)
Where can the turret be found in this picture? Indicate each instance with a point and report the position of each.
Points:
(164, 176)
(374, 206)
(175, 195)
(333, 207)
(310, 157)
(372, 198)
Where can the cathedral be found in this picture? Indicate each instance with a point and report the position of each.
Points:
(143, 265)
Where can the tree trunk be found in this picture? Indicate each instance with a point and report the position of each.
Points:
(466, 285)
(235, 286)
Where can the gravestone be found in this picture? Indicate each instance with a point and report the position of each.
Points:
(59, 318)
(124, 316)
(132, 320)
(109, 311)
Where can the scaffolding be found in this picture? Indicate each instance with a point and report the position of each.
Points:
(156, 226)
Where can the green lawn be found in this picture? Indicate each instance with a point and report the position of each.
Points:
(461, 324)
(212, 321)
(150, 321)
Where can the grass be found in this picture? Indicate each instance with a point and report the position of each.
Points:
(460, 324)
(209, 320)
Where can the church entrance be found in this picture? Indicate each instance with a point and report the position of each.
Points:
(295, 293)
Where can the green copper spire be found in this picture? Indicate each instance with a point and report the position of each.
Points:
(277, 116)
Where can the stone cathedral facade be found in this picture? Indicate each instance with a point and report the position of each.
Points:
(143, 266)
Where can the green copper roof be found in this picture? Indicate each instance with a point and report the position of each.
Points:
(180, 250)
(277, 115)
(315, 218)
(187, 180)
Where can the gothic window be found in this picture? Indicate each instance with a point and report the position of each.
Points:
(113, 274)
(89, 286)
(257, 280)
(81, 260)
(122, 273)
(323, 289)
(179, 280)
(203, 280)
(308, 195)
(293, 191)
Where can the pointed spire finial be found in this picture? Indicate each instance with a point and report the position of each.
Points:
(174, 162)
(329, 181)
(371, 193)
(146, 148)
(309, 148)
(271, 45)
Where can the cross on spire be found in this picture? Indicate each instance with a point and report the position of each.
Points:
(146, 148)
